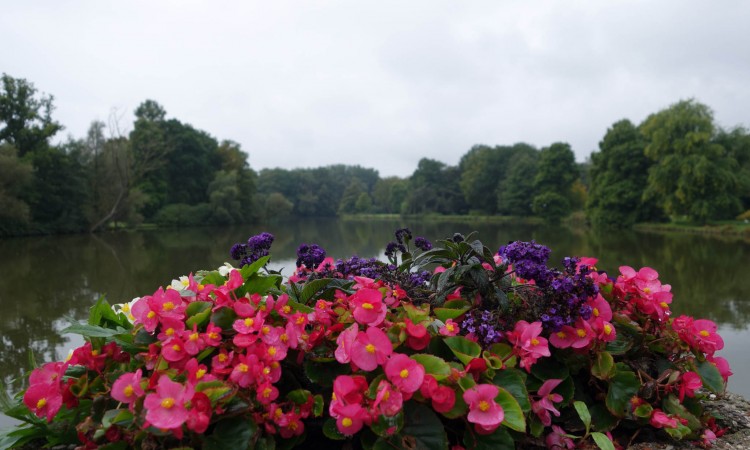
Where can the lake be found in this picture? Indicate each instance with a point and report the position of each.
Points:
(48, 281)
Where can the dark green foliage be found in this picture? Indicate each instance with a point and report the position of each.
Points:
(551, 206)
(15, 176)
(619, 173)
(434, 188)
(557, 169)
(693, 175)
(516, 192)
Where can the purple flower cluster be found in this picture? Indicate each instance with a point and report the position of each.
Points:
(484, 325)
(419, 278)
(356, 266)
(257, 247)
(310, 255)
(403, 234)
(422, 243)
(392, 248)
(567, 294)
(529, 260)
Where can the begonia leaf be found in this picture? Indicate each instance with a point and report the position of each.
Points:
(604, 442)
(604, 366)
(514, 417)
(464, 349)
(499, 439)
(622, 387)
(710, 376)
(437, 367)
(234, 432)
(514, 381)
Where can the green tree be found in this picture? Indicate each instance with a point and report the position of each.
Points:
(348, 203)
(482, 168)
(363, 204)
(25, 117)
(618, 176)
(693, 175)
(15, 176)
(434, 188)
(551, 206)
(557, 169)
(515, 193)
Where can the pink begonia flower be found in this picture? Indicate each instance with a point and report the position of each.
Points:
(170, 328)
(600, 308)
(705, 337)
(173, 350)
(371, 349)
(49, 373)
(388, 401)
(661, 420)
(344, 344)
(212, 336)
(564, 337)
(267, 393)
(145, 314)
(165, 408)
(721, 364)
(197, 372)
(605, 331)
(127, 388)
(559, 439)
(44, 399)
(484, 412)
(168, 304)
(545, 404)
(350, 418)
(405, 373)
(417, 337)
(689, 383)
(290, 425)
(584, 334)
(709, 437)
(451, 328)
(443, 399)
(200, 412)
(369, 308)
(347, 390)
(243, 371)
(528, 343)
(194, 342)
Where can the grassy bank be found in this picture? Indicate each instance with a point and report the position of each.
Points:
(732, 228)
(465, 218)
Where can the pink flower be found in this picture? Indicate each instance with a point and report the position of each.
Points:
(50, 373)
(705, 337)
(173, 350)
(484, 412)
(600, 308)
(127, 388)
(368, 307)
(347, 390)
(451, 328)
(350, 418)
(344, 344)
(661, 420)
(528, 343)
(689, 383)
(417, 337)
(194, 342)
(721, 364)
(44, 400)
(388, 400)
(242, 373)
(544, 405)
(371, 349)
(165, 408)
(558, 439)
(199, 415)
(405, 373)
(212, 336)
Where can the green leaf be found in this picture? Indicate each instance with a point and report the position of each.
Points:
(318, 405)
(422, 429)
(500, 439)
(323, 373)
(547, 368)
(514, 381)
(622, 387)
(93, 330)
(214, 278)
(604, 366)
(299, 396)
(450, 313)
(116, 417)
(710, 376)
(200, 319)
(235, 432)
(224, 318)
(671, 405)
(464, 349)
(437, 367)
(415, 313)
(602, 441)
(252, 269)
(644, 411)
(602, 419)
(197, 307)
(300, 307)
(259, 284)
(514, 418)
(331, 431)
(313, 287)
(583, 413)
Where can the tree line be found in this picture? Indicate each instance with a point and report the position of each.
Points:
(676, 164)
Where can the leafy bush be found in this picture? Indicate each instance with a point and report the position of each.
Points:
(451, 346)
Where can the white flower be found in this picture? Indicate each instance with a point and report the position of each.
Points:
(126, 308)
(225, 269)
(180, 284)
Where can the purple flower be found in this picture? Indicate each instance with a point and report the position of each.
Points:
(422, 243)
(310, 255)
(403, 234)
(257, 247)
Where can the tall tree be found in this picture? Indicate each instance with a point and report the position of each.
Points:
(25, 117)
(15, 177)
(515, 193)
(618, 176)
(693, 175)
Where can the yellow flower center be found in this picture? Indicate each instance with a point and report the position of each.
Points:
(41, 403)
(581, 332)
(404, 373)
(249, 322)
(293, 425)
(607, 329)
(346, 422)
(561, 334)
(300, 320)
(265, 330)
(534, 341)
(272, 351)
(596, 312)
(169, 306)
(176, 347)
(286, 309)
(370, 348)
(242, 367)
(169, 331)
(267, 392)
(194, 337)
(185, 282)
(450, 327)
(367, 306)
(223, 357)
(284, 337)
(647, 290)
(151, 315)
(664, 305)
(484, 406)
(213, 335)
(167, 403)
(704, 333)
(125, 308)
(128, 391)
(201, 287)
(199, 373)
(266, 370)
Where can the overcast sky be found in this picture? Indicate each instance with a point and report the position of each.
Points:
(382, 84)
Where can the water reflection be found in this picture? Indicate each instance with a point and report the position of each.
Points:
(45, 280)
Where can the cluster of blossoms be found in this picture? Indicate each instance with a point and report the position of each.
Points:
(256, 247)
(197, 361)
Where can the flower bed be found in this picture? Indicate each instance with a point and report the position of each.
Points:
(453, 346)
